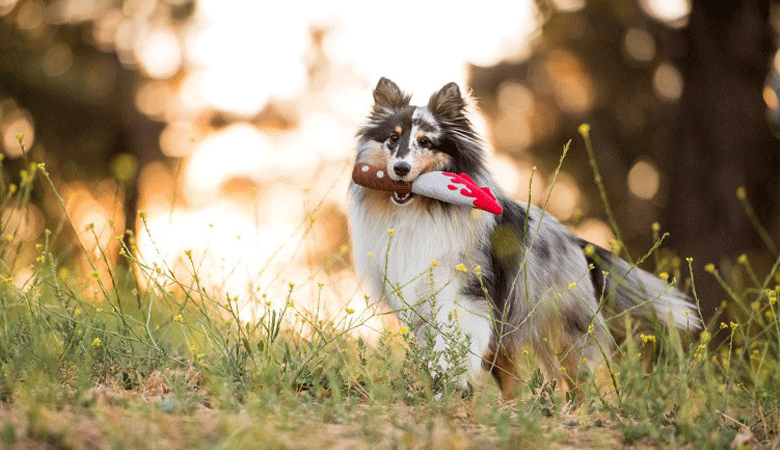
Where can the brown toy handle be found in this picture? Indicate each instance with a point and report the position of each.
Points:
(374, 177)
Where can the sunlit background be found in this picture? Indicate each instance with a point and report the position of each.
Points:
(230, 124)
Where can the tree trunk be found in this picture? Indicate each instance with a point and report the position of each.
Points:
(721, 140)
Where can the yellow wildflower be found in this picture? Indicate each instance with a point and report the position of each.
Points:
(96, 342)
(647, 338)
(589, 250)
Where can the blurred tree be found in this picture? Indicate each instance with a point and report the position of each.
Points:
(703, 125)
(80, 97)
(719, 139)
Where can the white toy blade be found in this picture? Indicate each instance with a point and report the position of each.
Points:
(456, 189)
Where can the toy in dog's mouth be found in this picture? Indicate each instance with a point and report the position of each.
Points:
(401, 198)
(443, 186)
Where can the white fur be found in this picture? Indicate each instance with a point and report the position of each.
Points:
(411, 282)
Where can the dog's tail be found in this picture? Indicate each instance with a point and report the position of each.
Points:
(624, 288)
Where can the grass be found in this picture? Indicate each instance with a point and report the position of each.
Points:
(133, 355)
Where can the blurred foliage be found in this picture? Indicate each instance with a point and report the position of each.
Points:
(677, 92)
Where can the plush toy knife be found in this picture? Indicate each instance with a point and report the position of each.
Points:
(445, 186)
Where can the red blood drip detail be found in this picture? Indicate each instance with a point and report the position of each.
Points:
(451, 187)
(483, 198)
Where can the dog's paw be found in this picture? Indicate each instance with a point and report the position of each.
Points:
(461, 388)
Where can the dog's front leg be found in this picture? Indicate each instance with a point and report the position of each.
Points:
(458, 333)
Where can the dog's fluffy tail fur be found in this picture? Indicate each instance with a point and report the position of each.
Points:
(629, 289)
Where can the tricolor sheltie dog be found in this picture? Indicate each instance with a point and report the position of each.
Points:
(510, 282)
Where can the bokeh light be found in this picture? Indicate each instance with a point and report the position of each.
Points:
(22, 224)
(639, 45)
(595, 231)
(31, 15)
(14, 125)
(7, 6)
(673, 13)
(235, 152)
(573, 89)
(667, 82)
(564, 198)
(159, 53)
(644, 180)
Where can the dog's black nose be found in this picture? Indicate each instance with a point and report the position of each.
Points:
(401, 169)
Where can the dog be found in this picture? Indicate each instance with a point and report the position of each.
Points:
(501, 283)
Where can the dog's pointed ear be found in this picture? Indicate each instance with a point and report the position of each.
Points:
(447, 101)
(388, 95)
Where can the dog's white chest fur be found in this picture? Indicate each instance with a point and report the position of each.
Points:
(413, 266)
(402, 248)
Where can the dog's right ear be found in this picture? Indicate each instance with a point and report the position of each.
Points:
(447, 102)
(388, 95)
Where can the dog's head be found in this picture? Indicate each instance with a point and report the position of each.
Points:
(410, 140)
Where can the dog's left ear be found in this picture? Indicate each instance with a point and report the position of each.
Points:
(387, 94)
(447, 101)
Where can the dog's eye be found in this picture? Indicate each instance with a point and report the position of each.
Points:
(424, 142)
(393, 138)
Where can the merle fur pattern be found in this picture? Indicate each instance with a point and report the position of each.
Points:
(536, 287)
